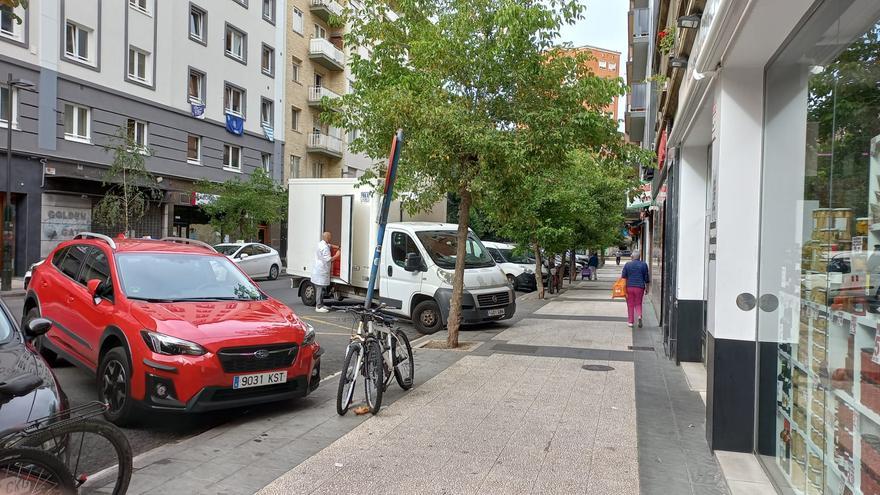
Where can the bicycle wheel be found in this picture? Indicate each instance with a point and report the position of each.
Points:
(348, 377)
(89, 447)
(374, 374)
(34, 471)
(402, 356)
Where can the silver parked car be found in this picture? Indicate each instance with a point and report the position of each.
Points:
(255, 259)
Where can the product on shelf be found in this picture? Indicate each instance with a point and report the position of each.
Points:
(871, 451)
(862, 226)
(870, 485)
(870, 395)
(870, 369)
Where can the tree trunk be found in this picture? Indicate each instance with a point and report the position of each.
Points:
(563, 263)
(539, 271)
(464, 210)
(573, 265)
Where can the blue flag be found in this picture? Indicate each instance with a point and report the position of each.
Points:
(234, 124)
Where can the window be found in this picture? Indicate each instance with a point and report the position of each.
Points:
(294, 118)
(612, 66)
(96, 267)
(243, 3)
(136, 131)
(267, 61)
(76, 123)
(58, 257)
(236, 44)
(196, 86)
(137, 64)
(193, 149)
(294, 166)
(269, 10)
(401, 245)
(295, 69)
(320, 32)
(317, 169)
(72, 260)
(603, 64)
(139, 5)
(232, 157)
(77, 42)
(266, 161)
(233, 100)
(197, 24)
(267, 113)
(297, 21)
(7, 23)
(5, 110)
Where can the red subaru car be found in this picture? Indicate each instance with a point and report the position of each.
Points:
(169, 325)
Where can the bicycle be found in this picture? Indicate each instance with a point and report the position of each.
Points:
(65, 447)
(374, 348)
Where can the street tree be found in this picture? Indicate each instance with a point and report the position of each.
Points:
(130, 187)
(470, 82)
(12, 5)
(238, 208)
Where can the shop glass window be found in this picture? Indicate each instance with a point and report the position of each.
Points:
(819, 306)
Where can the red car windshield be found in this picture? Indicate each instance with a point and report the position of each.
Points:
(170, 277)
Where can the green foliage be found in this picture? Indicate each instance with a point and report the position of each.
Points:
(12, 4)
(241, 207)
(130, 187)
(484, 97)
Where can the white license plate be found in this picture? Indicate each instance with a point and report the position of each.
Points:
(496, 312)
(259, 379)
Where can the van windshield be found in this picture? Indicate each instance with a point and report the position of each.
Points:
(441, 246)
(520, 259)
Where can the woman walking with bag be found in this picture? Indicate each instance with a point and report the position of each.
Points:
(637, 278)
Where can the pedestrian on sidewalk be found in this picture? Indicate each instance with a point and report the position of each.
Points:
(594, 266)
(637, 282)
(321, 271)
(617, 257)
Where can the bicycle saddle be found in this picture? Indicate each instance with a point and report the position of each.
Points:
(19, 386)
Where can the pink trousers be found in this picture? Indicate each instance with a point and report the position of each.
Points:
(634, 297)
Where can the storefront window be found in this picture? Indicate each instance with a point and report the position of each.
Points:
(819, 371)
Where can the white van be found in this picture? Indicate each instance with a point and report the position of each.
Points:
(518, 268)
(418, 257)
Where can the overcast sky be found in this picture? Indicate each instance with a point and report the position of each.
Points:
(604, 26)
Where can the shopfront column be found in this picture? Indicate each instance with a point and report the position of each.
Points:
(733, 258)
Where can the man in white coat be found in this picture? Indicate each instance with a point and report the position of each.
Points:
(321, 271)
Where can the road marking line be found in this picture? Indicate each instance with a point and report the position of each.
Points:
(334, 375)
(312, 318)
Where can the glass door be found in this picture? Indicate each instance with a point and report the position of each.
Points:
(818, 417)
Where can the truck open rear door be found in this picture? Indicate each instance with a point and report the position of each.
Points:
(336, 215)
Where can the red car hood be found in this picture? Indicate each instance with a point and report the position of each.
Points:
(217, 324)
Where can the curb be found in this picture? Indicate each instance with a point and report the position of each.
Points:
(9, 294)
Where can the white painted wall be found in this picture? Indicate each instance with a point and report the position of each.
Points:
(693, 180)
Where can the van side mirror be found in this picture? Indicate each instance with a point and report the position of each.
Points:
(413, 262)
(37, 327)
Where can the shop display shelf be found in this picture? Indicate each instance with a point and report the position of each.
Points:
(797, 364)
(858, 407)
(869, 320)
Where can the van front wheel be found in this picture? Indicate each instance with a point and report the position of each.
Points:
(426, 317)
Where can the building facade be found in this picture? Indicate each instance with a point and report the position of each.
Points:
(603, 63)
(197, 84)
(766, 237)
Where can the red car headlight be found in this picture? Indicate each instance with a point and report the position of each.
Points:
(171, 346)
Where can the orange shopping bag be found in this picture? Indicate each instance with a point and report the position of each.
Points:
(619, 289)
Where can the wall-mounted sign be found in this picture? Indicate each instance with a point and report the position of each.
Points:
(61, 218)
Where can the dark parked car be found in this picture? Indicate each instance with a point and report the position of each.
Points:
(20, 368)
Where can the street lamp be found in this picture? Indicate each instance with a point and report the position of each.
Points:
(8, 219)
(689, 21)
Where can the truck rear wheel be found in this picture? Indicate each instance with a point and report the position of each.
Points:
(308, 294)
(426, 317)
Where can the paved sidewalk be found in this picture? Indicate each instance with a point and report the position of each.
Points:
(548, 405)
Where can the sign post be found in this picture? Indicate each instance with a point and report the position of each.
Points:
(390, 175)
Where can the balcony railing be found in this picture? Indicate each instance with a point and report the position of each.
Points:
(322, 51)
(638, 97)
(325, 8)
(321, 142)
(317, 93)
(641, 23)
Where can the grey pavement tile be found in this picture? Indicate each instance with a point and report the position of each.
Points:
(616, 486)
(168, 468)
(142, 483)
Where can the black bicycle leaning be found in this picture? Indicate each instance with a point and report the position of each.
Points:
(377, 352)
(68, 452)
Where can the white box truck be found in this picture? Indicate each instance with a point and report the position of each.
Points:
(418, 255)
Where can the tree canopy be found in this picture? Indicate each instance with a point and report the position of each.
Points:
(240, 207)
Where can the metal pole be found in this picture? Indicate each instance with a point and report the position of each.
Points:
(8, 233)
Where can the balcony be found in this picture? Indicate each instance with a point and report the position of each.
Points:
(325, 9)
(324, 144)
(323, 52)
(637, 104)
(318, 93)
(640, 27)
(641, 24)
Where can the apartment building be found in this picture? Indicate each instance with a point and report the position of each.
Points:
(198, 83)
(319, 69)
(603, 63)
